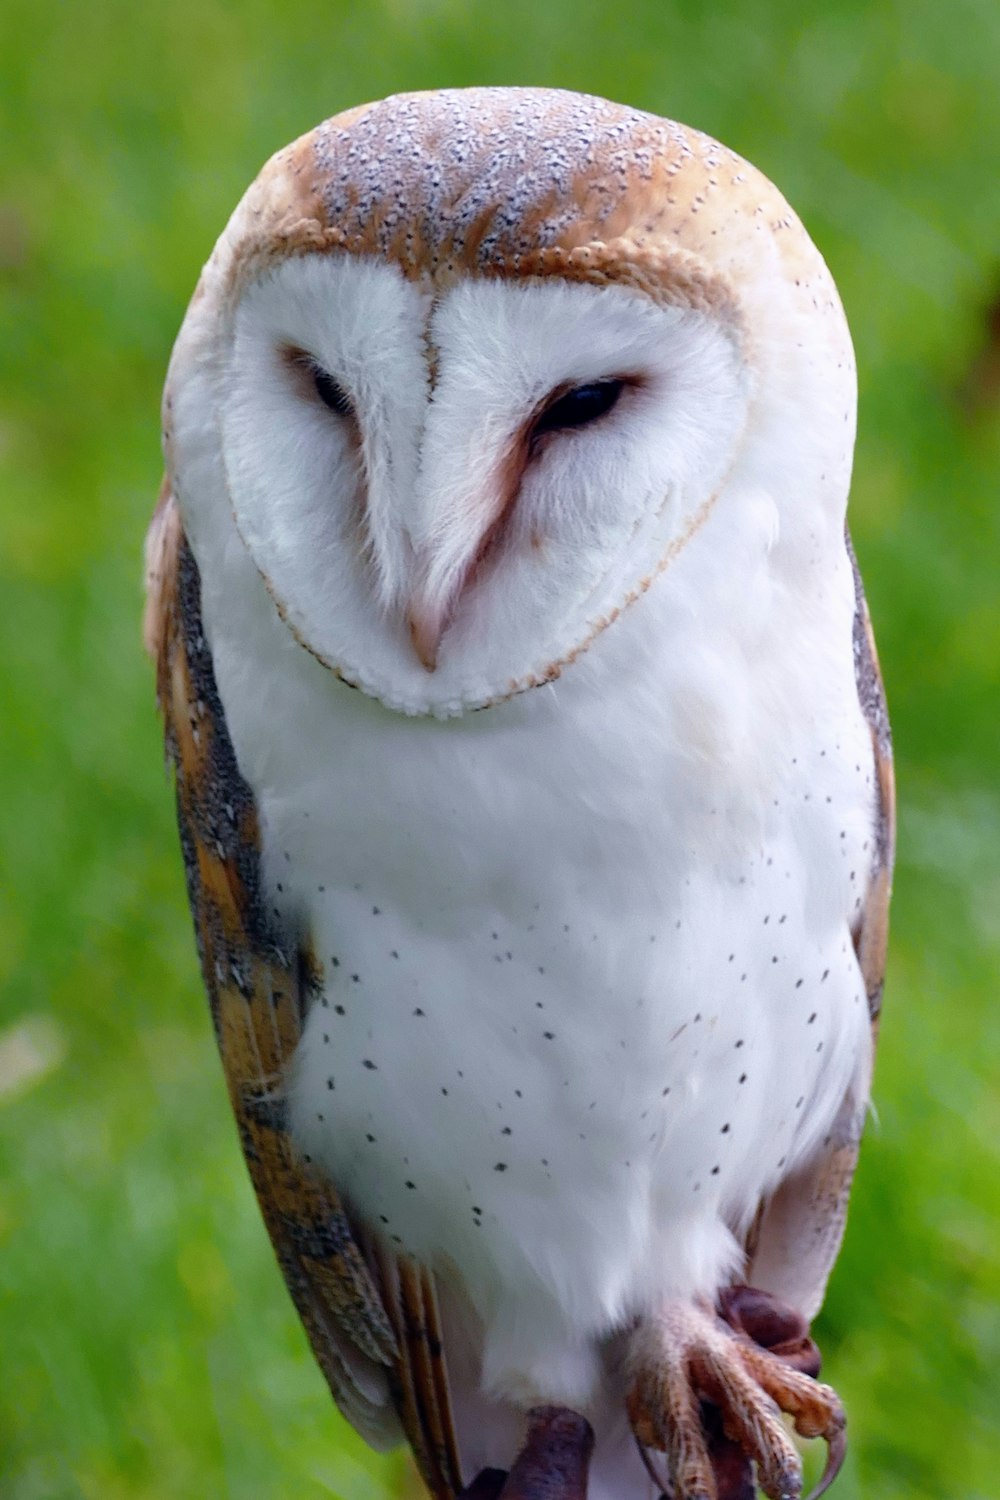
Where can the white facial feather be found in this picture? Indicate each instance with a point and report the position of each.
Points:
(299, 481)
(353, 527)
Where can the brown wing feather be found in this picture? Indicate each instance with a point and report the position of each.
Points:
(427, 1372)
(260, 982)
(798, 1233)
(871, 935)
(419, 1377)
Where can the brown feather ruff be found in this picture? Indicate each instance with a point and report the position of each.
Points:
(260, 983)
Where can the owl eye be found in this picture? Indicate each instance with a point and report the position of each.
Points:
(329, 392)
(579, 406)
(311, 378)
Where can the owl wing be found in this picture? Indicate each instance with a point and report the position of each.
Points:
(372, 1318)
(797, 1235)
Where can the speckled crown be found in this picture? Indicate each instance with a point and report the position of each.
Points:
(529, 182)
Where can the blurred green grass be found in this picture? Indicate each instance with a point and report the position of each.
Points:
(148, 1348)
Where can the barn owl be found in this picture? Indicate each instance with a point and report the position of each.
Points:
(534, 780)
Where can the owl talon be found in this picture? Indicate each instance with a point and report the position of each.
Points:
(688, 1356)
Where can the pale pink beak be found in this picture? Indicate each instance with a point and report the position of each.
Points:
(429, 618)
(427, 626)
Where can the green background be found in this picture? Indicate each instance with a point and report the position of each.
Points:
(147, 1347)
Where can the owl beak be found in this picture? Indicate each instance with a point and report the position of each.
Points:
(427, 626)
(433, 605)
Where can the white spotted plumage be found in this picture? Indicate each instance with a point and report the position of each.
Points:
(589, 990)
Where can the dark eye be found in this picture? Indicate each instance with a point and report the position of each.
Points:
(582, 404)
(330, 393)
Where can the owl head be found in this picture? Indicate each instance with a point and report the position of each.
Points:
(468, 371)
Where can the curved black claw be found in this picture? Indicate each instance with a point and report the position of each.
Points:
(836, 1452)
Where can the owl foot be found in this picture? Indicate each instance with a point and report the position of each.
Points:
(552, 1465)
(709, 1393)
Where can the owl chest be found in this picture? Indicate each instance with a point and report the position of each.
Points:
(550, 1009)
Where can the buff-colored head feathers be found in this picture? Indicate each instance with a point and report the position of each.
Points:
(517, 189)
(527, 182)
